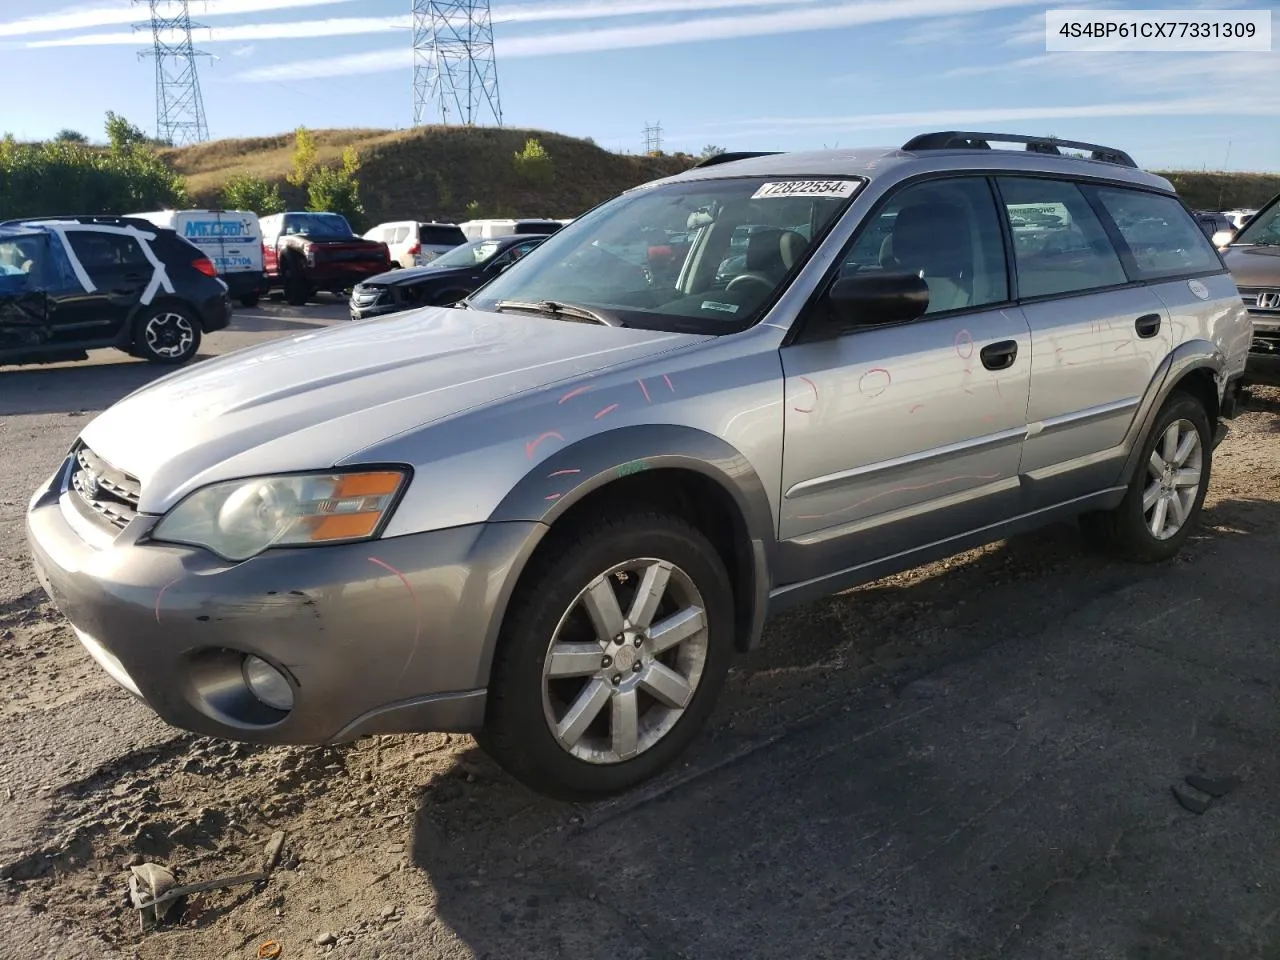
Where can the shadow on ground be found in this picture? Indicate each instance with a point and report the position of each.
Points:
(83, 389)
(971, 760)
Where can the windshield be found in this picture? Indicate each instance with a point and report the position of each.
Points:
(1264, 229)
(472, 254)
(319, 226)
(705, 256)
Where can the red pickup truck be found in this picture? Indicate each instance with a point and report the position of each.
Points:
(307, 252)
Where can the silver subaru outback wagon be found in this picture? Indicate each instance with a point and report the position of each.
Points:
(550, 514)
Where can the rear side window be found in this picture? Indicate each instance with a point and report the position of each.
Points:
(1164, 240)
(441, 236)
(101, 252)
(1059, 243)
(399, 235)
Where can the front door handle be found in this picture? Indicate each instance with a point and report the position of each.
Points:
(1147, 326)
(1000, 356)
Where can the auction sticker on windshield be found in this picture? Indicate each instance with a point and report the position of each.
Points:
(808, 188)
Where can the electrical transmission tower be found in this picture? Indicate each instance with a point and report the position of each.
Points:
(455, 71)
(653, 138)
(179, 105)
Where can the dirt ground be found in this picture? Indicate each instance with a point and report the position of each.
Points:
(973, 759)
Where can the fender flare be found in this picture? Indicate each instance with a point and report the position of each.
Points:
(552, 487)
(1183, 360)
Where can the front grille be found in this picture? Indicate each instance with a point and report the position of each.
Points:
(110, 494)
(1253, 296)
(364, 296)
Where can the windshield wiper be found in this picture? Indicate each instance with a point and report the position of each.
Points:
(553, 308)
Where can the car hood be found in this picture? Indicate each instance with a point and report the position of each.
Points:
(309, 401)
(1254, 266)
(415, 274)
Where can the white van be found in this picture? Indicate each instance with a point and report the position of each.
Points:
(413, 243)
(492, 229)
(232, 239)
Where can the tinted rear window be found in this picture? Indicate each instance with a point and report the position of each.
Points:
(439, 236)
(538, 226)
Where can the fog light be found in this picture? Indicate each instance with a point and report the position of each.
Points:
(267, 683)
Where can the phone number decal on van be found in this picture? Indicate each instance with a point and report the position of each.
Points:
(232, 263)
(808, 188)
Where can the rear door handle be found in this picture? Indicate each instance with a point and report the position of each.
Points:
(1147, 326)
(1000, 356)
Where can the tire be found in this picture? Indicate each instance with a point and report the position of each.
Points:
(168, 335)
(296, 290)
(1127, 531)
(450, 297)
(250, 301)
(547, 611)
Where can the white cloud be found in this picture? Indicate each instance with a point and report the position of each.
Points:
(812, 18)
(248, 50)
(945, 30)
(121, 12)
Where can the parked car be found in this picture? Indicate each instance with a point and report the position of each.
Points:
(1212, 223)
(491, 229)
(446, 280)
(73, 284)
(551, 513)
(415, 244)
(308, 252)
(1254, 260)
(232, 239)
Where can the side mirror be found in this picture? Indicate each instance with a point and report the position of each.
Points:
(874, 298)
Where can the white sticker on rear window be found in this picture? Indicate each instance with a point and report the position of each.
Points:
(807, 188)
(722, 307)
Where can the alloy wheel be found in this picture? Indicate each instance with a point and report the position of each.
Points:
(169, 335)
(1175, 471)
(615, 683)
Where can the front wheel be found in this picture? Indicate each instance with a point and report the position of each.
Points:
(249, 300)
(1167, 491)
(611, 657)
(166, 335)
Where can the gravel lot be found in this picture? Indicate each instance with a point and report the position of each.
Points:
(971, 760)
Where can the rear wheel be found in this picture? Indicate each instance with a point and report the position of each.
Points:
(611, 657)
(167, 335)
(450, 297)
(1167, 491)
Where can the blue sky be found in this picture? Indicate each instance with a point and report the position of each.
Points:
(743, 74)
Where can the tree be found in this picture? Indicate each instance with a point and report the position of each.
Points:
(122, 135)
(711, 150)
(71, 136)
(337, 189)
(246, 192)
(533, 164)
(305, 157)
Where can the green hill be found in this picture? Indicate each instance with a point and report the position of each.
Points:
(437, 172)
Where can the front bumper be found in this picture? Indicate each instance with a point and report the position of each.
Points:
(381, 309)
(215, 314)
(340, 276)
(389, 636)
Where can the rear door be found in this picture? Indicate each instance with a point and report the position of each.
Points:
(119, 271)
(239, 242)
(1097, 338)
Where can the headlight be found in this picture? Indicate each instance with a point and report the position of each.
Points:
(241, 518)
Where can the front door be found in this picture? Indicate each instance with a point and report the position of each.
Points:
(905, 435)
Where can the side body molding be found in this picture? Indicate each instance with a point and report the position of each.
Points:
(555, 485)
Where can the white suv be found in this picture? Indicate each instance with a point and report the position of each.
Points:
(415, 244)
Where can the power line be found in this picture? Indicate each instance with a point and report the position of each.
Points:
(180, 117)
(653, 138)
(455, 71)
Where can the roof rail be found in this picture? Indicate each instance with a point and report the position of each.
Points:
(964, 140)
(104, 219)
(731, 157)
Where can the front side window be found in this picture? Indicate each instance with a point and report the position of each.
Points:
(947, 232)
(1059, 243)
(1163, 238)
(1263, 230)
(655, 257)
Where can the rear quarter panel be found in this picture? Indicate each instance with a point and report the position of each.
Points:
(1209, 309)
